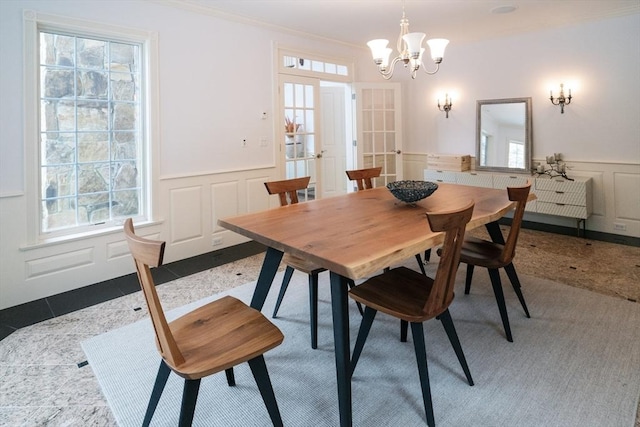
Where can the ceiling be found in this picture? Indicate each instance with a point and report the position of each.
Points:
(355, 22)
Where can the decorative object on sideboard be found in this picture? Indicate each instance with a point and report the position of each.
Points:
(556, 167)
(410, 51)
(411, 192)
(561, 100)
(446, 107)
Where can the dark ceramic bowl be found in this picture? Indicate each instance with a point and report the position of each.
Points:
(412, 191)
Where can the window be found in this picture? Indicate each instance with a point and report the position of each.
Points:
(516, 154)
(90, 127)
(90, 133)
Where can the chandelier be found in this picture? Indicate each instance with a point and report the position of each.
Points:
(410, 51)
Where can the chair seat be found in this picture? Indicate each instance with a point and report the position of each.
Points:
(220, 335)
(400, 292)
(482, 253)
(301, 264)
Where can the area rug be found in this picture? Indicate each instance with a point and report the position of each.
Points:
(573, 363)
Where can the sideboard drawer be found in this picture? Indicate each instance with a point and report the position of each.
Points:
(561, 185)
(439, 176)
(560, 209)
(474, 179)
(504, 181)
(561, 197)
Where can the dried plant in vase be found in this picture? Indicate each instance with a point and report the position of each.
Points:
(290, 126)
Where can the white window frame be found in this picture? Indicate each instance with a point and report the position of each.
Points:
(33, 23)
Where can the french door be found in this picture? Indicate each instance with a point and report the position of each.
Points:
(379, 129)
(300, 143)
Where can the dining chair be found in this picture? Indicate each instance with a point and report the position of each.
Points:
(415, 298)
(497, 254)
(364, 177)
(209, 339)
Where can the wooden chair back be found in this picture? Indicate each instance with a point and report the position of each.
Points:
(149, 253)
(288, 188)
(363, 177)
(520, 196)
(453, 223)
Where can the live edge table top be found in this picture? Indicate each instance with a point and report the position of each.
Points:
(360, 233)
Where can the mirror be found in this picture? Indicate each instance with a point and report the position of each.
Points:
(504, 135)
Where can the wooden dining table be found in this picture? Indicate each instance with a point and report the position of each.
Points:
(355, 236)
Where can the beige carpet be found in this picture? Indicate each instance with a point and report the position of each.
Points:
(538, 380)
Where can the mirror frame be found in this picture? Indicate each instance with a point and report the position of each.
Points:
(528, 143)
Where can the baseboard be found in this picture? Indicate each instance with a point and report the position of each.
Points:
(571, 231)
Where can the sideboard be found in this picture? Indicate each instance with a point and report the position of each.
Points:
(555, 195)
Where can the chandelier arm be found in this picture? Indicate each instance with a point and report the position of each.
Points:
(389, 72)
(431, 72)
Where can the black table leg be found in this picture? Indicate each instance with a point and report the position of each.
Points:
(493, 228)
(267, 273)
(341, 341)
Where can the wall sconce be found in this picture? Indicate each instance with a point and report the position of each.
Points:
(560, 100)
(446, 107)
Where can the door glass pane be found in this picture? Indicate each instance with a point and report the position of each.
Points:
(389, 121)
(389, 103)
(378, 138)
(288, 95)
(378, 100)
(367, 143)
(390, 139)
(367, 100)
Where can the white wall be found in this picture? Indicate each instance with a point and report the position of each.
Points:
(204, 117)
(601, 62)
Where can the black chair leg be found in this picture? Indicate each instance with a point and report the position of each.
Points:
(352, 285)
(231, 378)
(502, 306)
(363, 332)
(515, 282)
(427, 255)
(261, 375)
(189, 398)
(423, 370)
(313, 309)
(283, 288)
(420, 264)
(158, 387)
(467, 282)
(404, 327)
(447, 322)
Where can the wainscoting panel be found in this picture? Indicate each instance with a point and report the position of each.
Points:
(59, 263)
(186, 214)
(627, 203)
(257, 197)
(224, 202)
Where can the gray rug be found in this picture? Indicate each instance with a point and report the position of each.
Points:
(574, 363)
